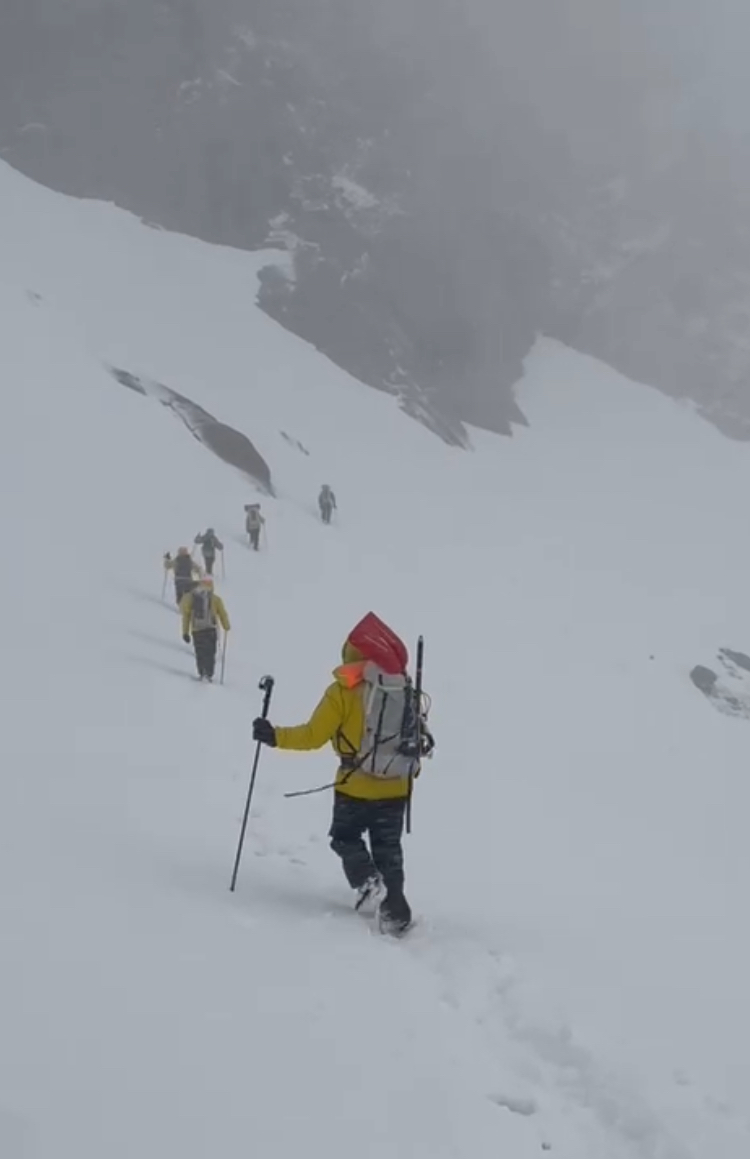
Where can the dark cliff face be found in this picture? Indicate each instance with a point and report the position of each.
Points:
(451, 180)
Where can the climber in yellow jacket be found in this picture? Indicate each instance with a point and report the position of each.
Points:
(363, 803)
(340, 719)
(202, 611)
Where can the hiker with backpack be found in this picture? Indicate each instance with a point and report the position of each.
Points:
(372, 717)
(202, 612)
(326, 503)
(254, 522)
(186, 572)
(209, 544)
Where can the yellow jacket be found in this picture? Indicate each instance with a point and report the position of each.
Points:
(217, 607)
(340, 719)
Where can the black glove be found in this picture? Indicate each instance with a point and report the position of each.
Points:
(264, 731)
(186, 638)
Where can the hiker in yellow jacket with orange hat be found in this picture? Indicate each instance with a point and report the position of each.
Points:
(202, 612)
(362, 715)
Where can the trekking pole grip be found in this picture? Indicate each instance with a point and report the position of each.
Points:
(266, 685)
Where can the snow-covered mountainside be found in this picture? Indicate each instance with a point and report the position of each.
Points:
(577, 983)
(451, 178)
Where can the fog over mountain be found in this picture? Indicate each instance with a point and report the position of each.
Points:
(451, 177)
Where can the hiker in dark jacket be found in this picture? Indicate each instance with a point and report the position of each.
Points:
(326, 503)
(209, 544)
(186, 571)
(254, 522)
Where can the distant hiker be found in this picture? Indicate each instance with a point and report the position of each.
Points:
(254, 524)
(202, 612)
(369, 716)
(209, 544)
(326, 503)
(186, 571)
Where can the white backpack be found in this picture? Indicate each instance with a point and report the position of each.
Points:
(203, 614)
(389, 749)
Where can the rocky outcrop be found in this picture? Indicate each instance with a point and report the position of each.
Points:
(450, 179)
(230, 445)
(728, 693)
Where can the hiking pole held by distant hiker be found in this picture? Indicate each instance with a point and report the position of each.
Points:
(223, 566)
(223, 657)
(266, 687)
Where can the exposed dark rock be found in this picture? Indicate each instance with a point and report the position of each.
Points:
(228, 444)
(237, 450)
(450, 177)
(739, 659)
(703, 678)
(125, 378)
(729, 695)
(295, 443)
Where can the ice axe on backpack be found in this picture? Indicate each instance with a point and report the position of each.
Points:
(417, 756)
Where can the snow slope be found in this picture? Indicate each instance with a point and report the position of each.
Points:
(578, 982)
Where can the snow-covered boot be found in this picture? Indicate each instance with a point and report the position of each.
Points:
(369, 895)
(395, 914)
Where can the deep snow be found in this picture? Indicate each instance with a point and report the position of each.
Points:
(580, 863)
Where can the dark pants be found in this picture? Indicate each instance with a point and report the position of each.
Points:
(205, 643)
(383, 821)
(254, 533)
(326, 513)
(209, 561)
(182, 587)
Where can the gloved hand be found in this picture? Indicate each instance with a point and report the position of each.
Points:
(264, 731)
(186, 638)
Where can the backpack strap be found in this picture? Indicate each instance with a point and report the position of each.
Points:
(378, 730)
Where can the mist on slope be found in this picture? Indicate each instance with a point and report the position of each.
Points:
(453, 177)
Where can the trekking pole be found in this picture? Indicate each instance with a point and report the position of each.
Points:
(164, 584)
(223, 566)
(418, 709)
(266, 686)
(223, 657)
